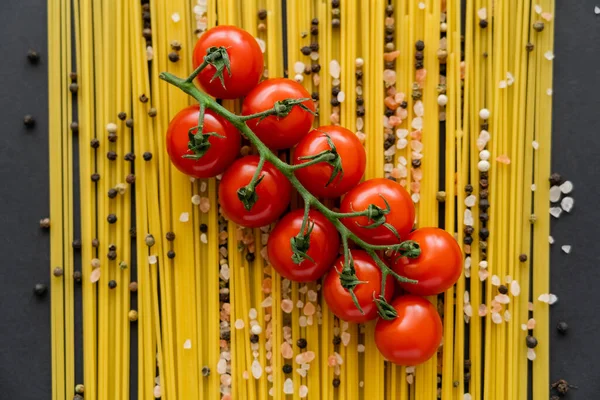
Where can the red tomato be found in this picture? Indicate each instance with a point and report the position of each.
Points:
(315, 177)
(245, 57)
(414, 336)
(401, 216)
(339, 299)
(273, 193)
(437, 268)
(279, 133)
(221, 153)
(323, 249)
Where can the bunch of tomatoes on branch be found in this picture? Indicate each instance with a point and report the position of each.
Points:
(382, 258)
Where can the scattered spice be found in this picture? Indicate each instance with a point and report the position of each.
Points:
(58, 271)
(562, 327)
(33, 57)
(45, 223)
(40, 289)
(29, 121)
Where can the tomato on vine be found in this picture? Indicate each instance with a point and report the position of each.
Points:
(238, 64)
(262, 204)
(340, 300)
(392, 211)
(316, 247)
(414, 336)
(437, 268)
(279, 131)
(335, 177)
(202, 154)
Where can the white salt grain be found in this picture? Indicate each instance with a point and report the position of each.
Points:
(299, 67)
(549, 55)
(566, 187)
(184, 217)
(196, 200)
(597, 10)
(341, 97)
(567, 204)
(482, 13)
(468, 218)
(552, 298)
(288, 386)
(554, 194)
(496, 318)
(535, 145)
(566, 248)
(470, 200)
(422, 6)
(187, 344)
(268, 302)
(531, 354)
(261, 44)
(415, 197)
(555, 212)
(256, 369)
(222, 366)
(538, 9)
(515, 288)
(303, 391)
(334, 69)
(495, 280)
(550, 240)
(417, 123)
(152, 259)
(175, 17)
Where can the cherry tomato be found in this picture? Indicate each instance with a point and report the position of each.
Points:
(437, 268)
(351, 153)
(373, 191)
(339, 299)
(273, 193)
(323, 246)
(245, 57)
(221, 153)
(414, 336)
(279, 133)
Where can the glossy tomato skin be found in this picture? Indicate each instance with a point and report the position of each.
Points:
(401, 216)
(315, 177)
(437, 268)
(222, 151)
(323, 249)
(279, 133)
(339, 299)
(414, 336)
(273, 193)
(245, 56)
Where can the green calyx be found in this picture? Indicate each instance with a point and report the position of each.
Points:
(300, 245)
(384, 309)
(284, 107)
(376, 215)
(218, 58)
(247, 194)
(349, 280)
(333, 159)
(199, 143)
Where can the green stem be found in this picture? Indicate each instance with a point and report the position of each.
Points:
(194, 74)
(266, 154)
(322, 158)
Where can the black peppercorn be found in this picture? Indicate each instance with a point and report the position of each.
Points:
(112, 218)
(468, 230)
(29, 121)
(112, 193)
(334, 102)
(484, 217)
(130, 179)
(483, 174)
(122, 116)
(467, 364)
(419, 55)
(226, 335)
(301, 343)
(203, 229)
(77, 276)
(224, 297)
(335, 22)
(335, 91)
(485, 126)
(468, 240)
(40, 289)
(58, 271)
(315, 68)
(467, 377)
(205, 371)
(76, 244)
(404, 104)
(250, 257)
(337, 340)
(152, 112)
(314, 30)
(112, 137)
(95, 243)
(129, 157)
(419, 65)
(389, 10)
(468, 188)
(111, 155)
(144, 98)
(390, 140)
(389, 38)
(314, 46)
(129, 123)
(388, 112)
(336, 382)
(147, 33)
(253, 338)
(335, 3)
(531, 341)
(287, 369)
(307, 70)
(562, 327)
(170, 236)
(315, 96)
(483, 183)
(484, 233)
(112, 247)
(483, 23)
(173, 56)
(147, 156)
(538, 26)
(73, 87)
(529, 47)
(502, 289)
(389, 65)
(483, 194)
(171, 254)
(360, 111)
(95, 143)
(95, 177)
(262, 14)
(556, 179)
(33, 57)
(484, 204)
(314, 21)
(420, 45)
(112, 284)
(146, 16)
(360, 101)
(112, 255)
(74, 127)
(416, 163)
(305, 50)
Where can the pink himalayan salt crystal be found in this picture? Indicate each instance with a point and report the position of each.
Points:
(389, 21)
(266, 285)
(287, 305)
(303, 391)
(496, 318)
(226, 379)
(415, 187)
(417, 135)
(334, 118)
(503, 159)
(530, 306)
(246, 375)
(391, 91)
(502, 299)
(223, 235)
(420, 76)
(496, 307)
(286, 350)
(410, 379)
(389, 76)
(390, 103)
(482, 310)
(416, 156)
(531, 323)
(301, 372)
(463, 67)
(416, 145)
(361, 138)
(345, 338)
(331, 361)
(395, 173)
(204, 204)
(515, 288)
(391, 56)
(403, 182)
(157, 391)
(547, 16)
(223, 344)
(306, 357)
(95, 275)
(495, 280)
(394, 121)
(417, 174)
(226, 397)
(417, 123)
(419, 109)
(309, 309)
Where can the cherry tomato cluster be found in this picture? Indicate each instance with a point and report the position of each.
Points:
(329, 162)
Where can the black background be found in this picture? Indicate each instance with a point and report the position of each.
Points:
(25, 320)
